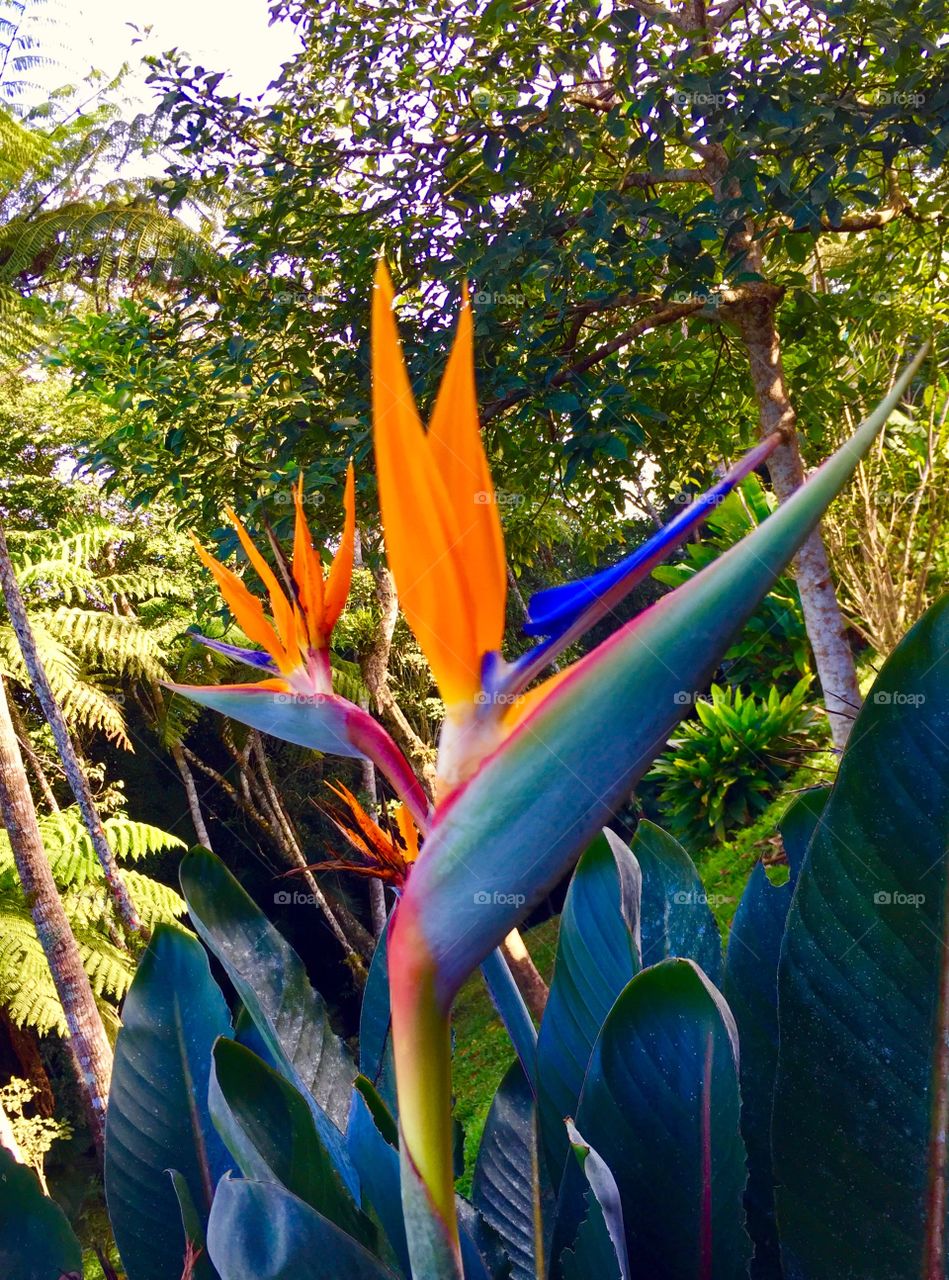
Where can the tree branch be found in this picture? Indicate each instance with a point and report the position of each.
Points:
(664, 315)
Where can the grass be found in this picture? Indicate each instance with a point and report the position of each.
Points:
(483, 1051)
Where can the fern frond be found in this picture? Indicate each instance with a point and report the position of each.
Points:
(143, 585)
(155, 902)
(116, 237)
(131, 841)
(175, 718)
(21, 149)
(61, 665)
(110, 641)
(87, 706)
(347, 679)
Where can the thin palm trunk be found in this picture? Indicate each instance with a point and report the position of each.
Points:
(88, 1043)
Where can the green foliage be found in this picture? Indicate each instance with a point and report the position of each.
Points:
(569, 166)
(26, 985)
(723, 768)
(34, 1134)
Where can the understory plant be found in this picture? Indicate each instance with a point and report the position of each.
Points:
(244, 1141)
(724, 767)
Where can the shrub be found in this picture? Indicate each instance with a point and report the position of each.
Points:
(723, 768)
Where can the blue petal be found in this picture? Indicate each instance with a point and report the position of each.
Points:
(552, 612)
(252, 657)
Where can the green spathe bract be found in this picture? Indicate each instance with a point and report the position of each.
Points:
(36, 1240)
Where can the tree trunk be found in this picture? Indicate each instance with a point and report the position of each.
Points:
(826, 630)
(88, 1042)
(375, 669)
(32, 759)
(529, 982)
(75, 774)
(191, 791)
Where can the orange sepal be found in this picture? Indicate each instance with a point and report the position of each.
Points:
(246, 608)
(341, 571)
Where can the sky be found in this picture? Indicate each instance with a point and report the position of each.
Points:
(223, 35)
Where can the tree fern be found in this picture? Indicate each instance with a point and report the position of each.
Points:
(26, 985)
(113, 641)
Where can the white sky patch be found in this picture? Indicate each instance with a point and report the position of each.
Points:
(221, 35)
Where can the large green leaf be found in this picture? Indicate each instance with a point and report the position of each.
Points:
(372, 1139)
(597, 954)
(571, 763)
(36, 1240)
(273, 985)
(676, 917)
(859, 1121)
(259, 1231)
(375, 1026)
(509, 1188)
(268, 1127)
(660, 1105)
(751, 989)
(158, 1117)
